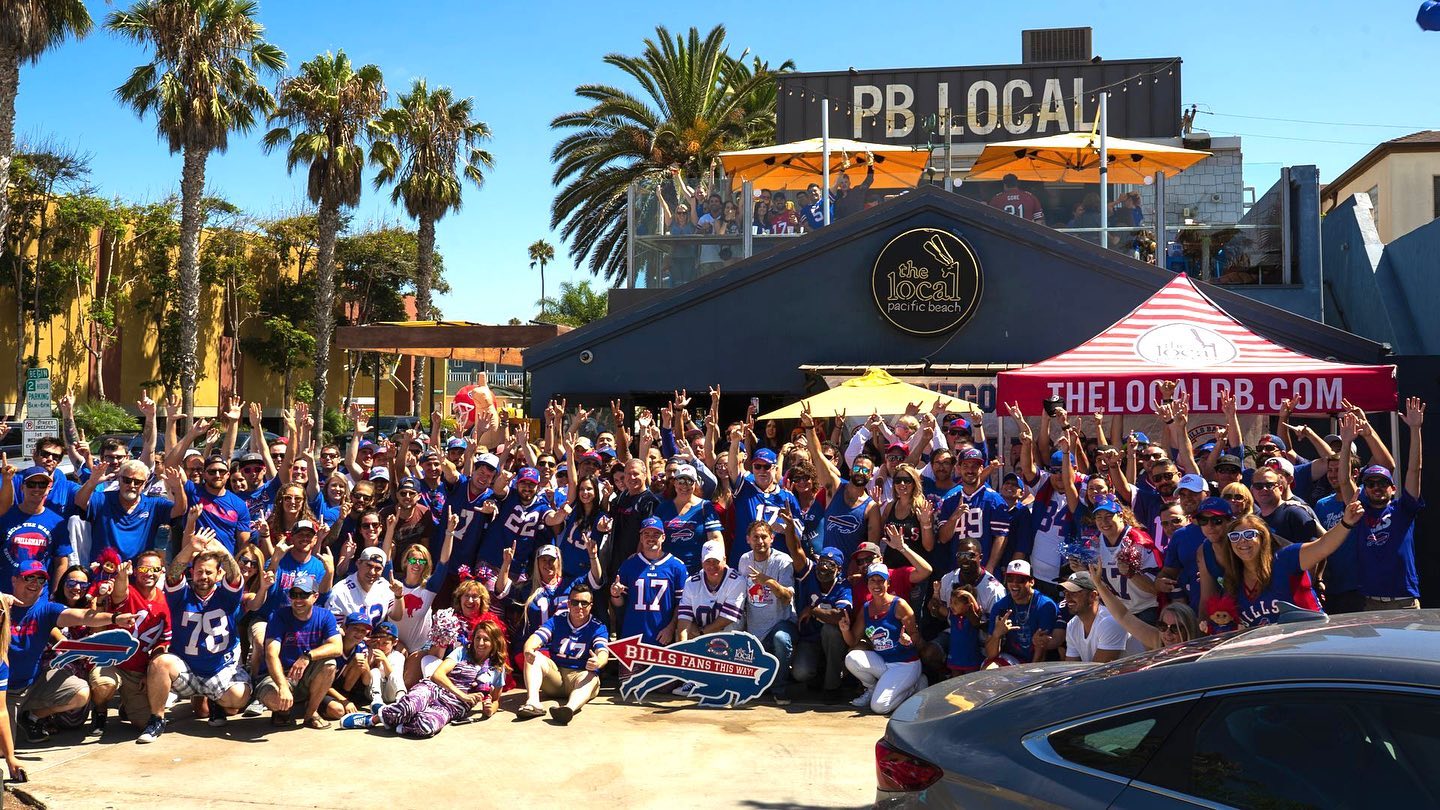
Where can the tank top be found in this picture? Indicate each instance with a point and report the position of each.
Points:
(845, 525)
(884, 635)
(910, 530)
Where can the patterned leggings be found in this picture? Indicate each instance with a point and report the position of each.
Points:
(424, 710)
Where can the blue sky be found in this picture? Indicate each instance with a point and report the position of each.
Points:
(1332, 63)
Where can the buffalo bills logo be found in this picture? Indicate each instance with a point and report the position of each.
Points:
(1379, 531)
(105, 648)
(679, 531)
(739, 674)
(219, 511)
(843, 523)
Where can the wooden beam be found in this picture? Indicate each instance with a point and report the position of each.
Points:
(478, 342)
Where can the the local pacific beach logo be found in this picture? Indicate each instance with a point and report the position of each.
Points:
(722, 669)
(927, 281)
(1186, 345)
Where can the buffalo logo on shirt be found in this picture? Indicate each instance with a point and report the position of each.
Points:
(759, 594)
(227, 515)
(844, 523)
(1380, 530)
(679, 531)
(413, 602)
(26, 541)
(880, 640)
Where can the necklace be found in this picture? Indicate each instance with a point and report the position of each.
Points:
(1022, 618)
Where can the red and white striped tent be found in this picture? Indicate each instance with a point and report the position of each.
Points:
(1180, 334)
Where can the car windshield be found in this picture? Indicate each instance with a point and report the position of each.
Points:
(1163, 657)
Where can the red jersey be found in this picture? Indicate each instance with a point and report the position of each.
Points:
(1022, 204)
(152, 626)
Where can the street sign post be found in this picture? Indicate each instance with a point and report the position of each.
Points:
(37, 393)
(35, 429)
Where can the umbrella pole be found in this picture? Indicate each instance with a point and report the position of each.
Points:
(1160, 240)
(1104, 175)
(825, 155)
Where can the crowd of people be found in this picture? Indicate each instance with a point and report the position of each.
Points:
(405, 582)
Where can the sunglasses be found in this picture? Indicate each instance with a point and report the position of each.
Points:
(34, 578)
(1153, 456)
(329, 455)
(1265, 485)
(1268, 448)
(1166, 476)
(580, 603)
(252, 469)
(150, 569)
(369, 526)
(1235, 498)
(115, 457)
(967, 555)
(798, 478)
(957, 432)
(1173, 522)
(296, 593)
(136, 482)
(894, 457)
(76, 584)
(1210, 521)
(37, 484)
(1244, 536)
(1375, 483)
(47, 454)
(362, 497)
(248, 561)
(906, 481)
(1166, 627)
(760, 467)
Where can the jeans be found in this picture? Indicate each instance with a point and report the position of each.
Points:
(780, 642)
(828, 651)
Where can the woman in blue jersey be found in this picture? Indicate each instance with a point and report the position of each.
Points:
(1260, 576)
(587, 525)
(884, 656)
(335, 493)
(689, 519)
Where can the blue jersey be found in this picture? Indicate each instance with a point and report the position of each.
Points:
(29, 636)
(574, 559)
(539, 607)
(1288, 583)
(813, 521)
(30, 537)
(261, 502)
(1180, 555)
(61, 499)
(436, 497)
(285, 571)
(571, 646)
(1387, 548)
(1041, 613)
(1342, 569)
(750, 505)
(297, 636)
(965, 651)
(845, 526)
(810, 593)
(685, 532)
(516, 523)
(884, 635)
(129, 533)
(986, 517)
(653, 593)
(226, 514)
(473, 523)
(206, 632)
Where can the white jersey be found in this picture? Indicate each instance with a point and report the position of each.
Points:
(703, 606)
(988, 590)
(349, 596)
(1135, 599)
(1105, 634)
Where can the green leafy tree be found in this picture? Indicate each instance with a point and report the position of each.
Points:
(577, 305)
(230, 262)
(155, 239)
(98, 417)
(28, 28)
(541, 253)
(697, 101)
(431, 144)
(325, 114)
(284, 348)
(202, 84)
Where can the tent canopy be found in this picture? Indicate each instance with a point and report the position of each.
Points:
(1180, 334)
(874, 391)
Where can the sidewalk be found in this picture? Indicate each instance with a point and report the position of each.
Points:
(664, 755)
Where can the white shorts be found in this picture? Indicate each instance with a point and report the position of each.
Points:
(187, 684)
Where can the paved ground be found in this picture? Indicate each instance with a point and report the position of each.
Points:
(666, 755)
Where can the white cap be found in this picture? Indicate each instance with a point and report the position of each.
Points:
(488, 459)
(549, 550)
(1281, 464)
(712, 550)
(373, 553)
(1194, 483)
(1019, 568)
(583, 442)
(685, 471)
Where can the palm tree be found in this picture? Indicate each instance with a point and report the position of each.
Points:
(701, 101)
(202, 85)
(28, 28)
(541, 253)
(324, 114)
(577, 305)
(431, 143)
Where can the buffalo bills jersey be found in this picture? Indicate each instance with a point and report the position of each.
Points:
(653, 593)
(225, 514)
(571, 646)
(751, 504)
(702, 605)
(985, 518)
(1288, 583)
(206, 631)
(473, 523)
(685, 532)
(844, 526)
(29, 636)
(516, 523)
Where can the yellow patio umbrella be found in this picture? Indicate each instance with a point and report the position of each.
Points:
(1074, 157)
(800, 163)
(875, 391)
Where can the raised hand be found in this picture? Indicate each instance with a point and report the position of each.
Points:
(172, 405)
(145, 405)
(231, 414)
(1414, 415)
(1354, 512)
(67, 404)
(1003, 625)
(893, 538)
(253, 412)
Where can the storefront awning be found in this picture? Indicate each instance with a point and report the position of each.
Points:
(1180, 334)
(450, 340)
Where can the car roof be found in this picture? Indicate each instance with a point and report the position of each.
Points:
(1400, 634)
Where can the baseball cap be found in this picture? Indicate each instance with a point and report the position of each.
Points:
(409, 482)
(1205, 447)
(366, 444)
(834, 555)
(1193, 483)
(1011, 478)
(1332, 438)
(970, 454)
(1076, 582)
(878, 570)
(712, 550)
(374, 553)
(592, 457)
(1103, 504)
(549, 550)
(386, 628)
(489, 460)
(304, 581)
(1141, 438)
(896, 447)
(1273, 439)
(562, 469)
(358, 617)
(29, 567)
(584, 443)
(192, 453)
(652, 523)
(1376, 471)
(685, 471)
(765, 454)
(1057, 458)
(1018, 568)
(217, 460)
(867, 546)
(380, 474)
(959, 423)
(456, 443)
(1227, 460)
(1215, 506)
(302, 524)
(607, 452)
(251, 458)
(1281, 464)
(529, 474)
(35, 471)
(429, 454)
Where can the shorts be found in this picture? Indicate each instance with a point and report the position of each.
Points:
(189, 684)
(52, 688)
(130, 686)
(299, 690)
(559, 682)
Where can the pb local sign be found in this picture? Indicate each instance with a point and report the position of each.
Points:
(927, 281)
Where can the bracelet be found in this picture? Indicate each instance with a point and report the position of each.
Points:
(1348, 526)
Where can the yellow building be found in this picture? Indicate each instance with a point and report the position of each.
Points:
(67, 346)
(1402, 179)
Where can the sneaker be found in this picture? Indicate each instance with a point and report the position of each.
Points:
(562, 714)
(862, 702)
(780, 698)
(35, 729)
(217, 714)
(685, 689)
(255, 709)
(153, 730)
(357, 720)
(530, 710)
(99, 718)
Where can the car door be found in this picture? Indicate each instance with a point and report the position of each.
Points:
(1287, 747)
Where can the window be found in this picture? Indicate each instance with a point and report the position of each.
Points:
(1436, 209)
(1309, 748)
(1120, 744)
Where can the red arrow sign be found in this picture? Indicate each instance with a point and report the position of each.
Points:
(632, 652)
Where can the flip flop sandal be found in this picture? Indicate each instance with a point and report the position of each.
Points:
(317, 722)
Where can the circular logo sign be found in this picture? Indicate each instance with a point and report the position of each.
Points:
(927, 281)
(1185, 345)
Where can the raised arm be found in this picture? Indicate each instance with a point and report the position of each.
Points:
(1027, 471)
(1143, 632)
(146, 406)
(1414, 418)
(1315, 551)
(231, 417)
(622, 436)
(1345, 487)
(257, 437)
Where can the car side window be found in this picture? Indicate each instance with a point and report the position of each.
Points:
(1120, 744)
(1314, 748)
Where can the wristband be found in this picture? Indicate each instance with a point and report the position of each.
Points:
(1348, 526)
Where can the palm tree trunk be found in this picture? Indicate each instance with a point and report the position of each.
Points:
(328, 224)
(424, 272)
(542, 286)
(9, 87)
(192, 187)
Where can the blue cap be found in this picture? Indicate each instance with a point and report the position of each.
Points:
(959, 423)
(1106, 503)
(529, 474)
(834, 555)
(1141, 438)
(970, 454)
(409, 482)
(456, 443)
(366, 444)
(1273, 439)
(357, 617)
(1012, 478)
(1215, 506)
(765, 454)
(28, 567)
(652, 523)
(1206, 447)
(35, 471)
(608, 452)
(386, 627)
(1377, 471)
(304, 581)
